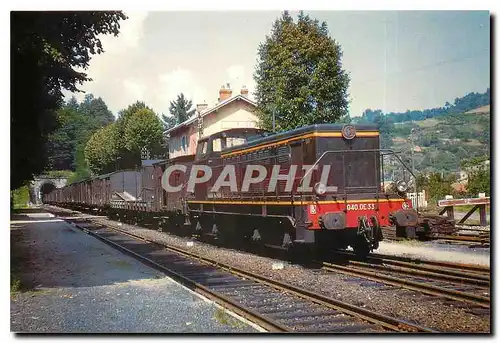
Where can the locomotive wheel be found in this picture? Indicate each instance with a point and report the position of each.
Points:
(361, 247)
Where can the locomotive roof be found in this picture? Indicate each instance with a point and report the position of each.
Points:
(299, 131)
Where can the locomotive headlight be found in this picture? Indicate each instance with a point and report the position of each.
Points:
(401, 186)
(319, 188)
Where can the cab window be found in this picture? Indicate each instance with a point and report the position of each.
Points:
(217, 145)
(235, 141)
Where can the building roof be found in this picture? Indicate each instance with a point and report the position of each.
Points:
(149, 163)
(210, 110)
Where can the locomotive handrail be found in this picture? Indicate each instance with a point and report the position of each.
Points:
(363, 150)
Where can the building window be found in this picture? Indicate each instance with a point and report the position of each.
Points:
(184, 144)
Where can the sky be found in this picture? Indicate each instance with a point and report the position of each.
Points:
(397, 60)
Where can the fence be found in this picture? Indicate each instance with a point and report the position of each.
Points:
(420, 198)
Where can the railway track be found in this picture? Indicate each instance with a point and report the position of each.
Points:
(457, 284)
(273, 305)
(427, 265)
(452, 282)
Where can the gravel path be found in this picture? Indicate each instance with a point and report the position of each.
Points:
(400, 303)
(436, 252)
(474, 216)
(80, 284)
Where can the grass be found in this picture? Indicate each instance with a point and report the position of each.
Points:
(412, 242)
(467, 208)
(18, 258)
(20, 197)
(225, 319)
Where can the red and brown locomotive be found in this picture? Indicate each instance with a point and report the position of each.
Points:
(316, 210)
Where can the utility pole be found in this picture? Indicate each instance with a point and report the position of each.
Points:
(274, 118)
(413, 164)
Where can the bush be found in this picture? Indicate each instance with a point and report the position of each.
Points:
(20, 197)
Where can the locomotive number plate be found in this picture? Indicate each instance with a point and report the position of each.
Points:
(360, 207)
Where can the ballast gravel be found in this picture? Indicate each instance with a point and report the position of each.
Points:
(411, 306)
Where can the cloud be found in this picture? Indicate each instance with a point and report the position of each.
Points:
(177, 81)
(131, 32)
(134, 89)
(239, 77)
(112, 72)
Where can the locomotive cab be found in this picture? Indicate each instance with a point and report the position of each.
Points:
(351, 204)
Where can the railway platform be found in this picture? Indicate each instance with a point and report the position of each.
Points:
(72, 283)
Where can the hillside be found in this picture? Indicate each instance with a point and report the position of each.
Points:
(443, 136)
(480, 110)
(442, 143)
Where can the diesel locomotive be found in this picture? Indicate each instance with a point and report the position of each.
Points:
(312, 189)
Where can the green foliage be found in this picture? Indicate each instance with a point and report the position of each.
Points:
(143, 130)
(47, 48)
(436, 185)
(466, 103)
(96, 111)
(474, 161)
(385, 125)
(58, 173)
(299, 75)
(20, 197)
(101, 150)
(119, 145)
(479, 182)
(168, 121)
(78, 122)
(181, 109)
(125, 114)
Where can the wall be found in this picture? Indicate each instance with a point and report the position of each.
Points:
(190, 133)
(234, 115)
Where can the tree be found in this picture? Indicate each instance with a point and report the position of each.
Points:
(60, 144)
(77, 123)
(143, 130)
(479, 182)
(181, 109)
(125, 114)
(96, 110)
(46, 49)
(101, 151)
(437, 186)
(168, 121)
(299, 75)
(128, 158)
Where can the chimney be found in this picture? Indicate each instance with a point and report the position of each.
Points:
(244, 91)
(225, 92)
(201, 107)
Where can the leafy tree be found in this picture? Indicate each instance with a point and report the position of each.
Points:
(127, 159)
(77, 122)
(60, 144)
(96, 110)
(181, 109)
(144, 130)
(101, 151)
(299, 75)
(46, 49)
(125, 114)
(436, 185)
(479, 182)
(466, 103)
